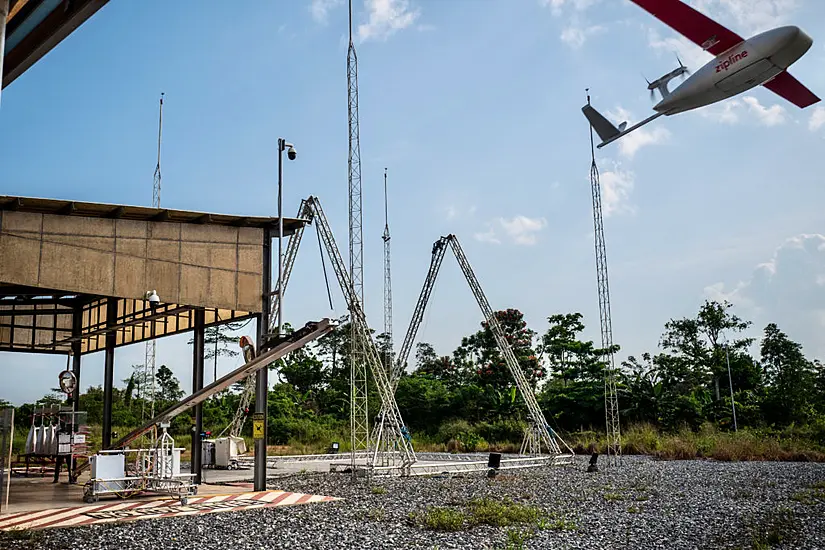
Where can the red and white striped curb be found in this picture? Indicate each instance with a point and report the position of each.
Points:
(147, 509)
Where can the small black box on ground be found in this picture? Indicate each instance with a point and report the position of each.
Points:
(494, 461)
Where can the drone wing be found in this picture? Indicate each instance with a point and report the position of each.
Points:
(698, 28)
(791, 89)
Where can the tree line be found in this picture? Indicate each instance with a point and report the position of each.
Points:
(702, 365)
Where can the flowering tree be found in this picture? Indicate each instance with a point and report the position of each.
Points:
(480, 354)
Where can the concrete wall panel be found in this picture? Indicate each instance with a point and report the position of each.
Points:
(191, 264)
(194, 283)
(77, 225)
(195, 254)
(250, 259)
(22, 221)
(76, 269)
(249, 292)
(224, 256)
(222, 286)
(250, 235)
(131, 228)
(130, 275)
(19, 259)
(163, 277)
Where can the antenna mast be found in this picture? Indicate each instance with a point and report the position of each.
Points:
(388, 359)
(149, 361)
(359, 414)
(611, 400)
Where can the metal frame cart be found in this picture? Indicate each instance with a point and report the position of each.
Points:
(153, 470)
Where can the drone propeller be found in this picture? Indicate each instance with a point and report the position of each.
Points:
(685, 70)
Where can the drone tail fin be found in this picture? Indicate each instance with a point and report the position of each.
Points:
(606, 130)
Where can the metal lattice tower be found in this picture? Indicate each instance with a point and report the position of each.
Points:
(359, 413)
(381, 434)
(149, 359)
(387, 282)
(611, 399)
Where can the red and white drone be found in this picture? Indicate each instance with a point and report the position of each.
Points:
(739, 65)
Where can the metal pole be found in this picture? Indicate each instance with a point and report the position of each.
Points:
(280, 235)
(77, 329)
(730, 381)
(109, 371)
(197, 385)
(262, 376)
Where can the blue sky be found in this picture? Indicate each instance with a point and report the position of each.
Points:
(474, 106)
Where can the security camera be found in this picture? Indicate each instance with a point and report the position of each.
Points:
(291, 153)
(154, 299)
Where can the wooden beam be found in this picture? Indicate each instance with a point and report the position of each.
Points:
(162, 216)
(15, 7)
(116, 213)
(68, 209)
(13, 204)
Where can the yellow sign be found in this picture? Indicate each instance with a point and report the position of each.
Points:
(258, 426)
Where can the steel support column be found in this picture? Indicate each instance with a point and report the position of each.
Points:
(197, 385)
(109, 371)
(77, 327)
(262, 376)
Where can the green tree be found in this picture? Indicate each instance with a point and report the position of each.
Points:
(168, 386)
(480, 352)
(700, 340)
(574, 397)
(791, 378)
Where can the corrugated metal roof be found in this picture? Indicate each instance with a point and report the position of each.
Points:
(141, 213)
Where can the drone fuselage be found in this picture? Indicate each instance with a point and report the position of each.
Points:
(750, 63)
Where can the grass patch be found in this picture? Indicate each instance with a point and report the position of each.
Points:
(516, 538)
(777, 527)
(438, 518)
(708, 442)
(21, 534)
(486, 511)
(376, 514)
(378, 490)
(556, 524)
(613, 496)
(634, 510)
(814, 494)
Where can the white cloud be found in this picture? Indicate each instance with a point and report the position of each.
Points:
(557, 5)
(320, 9)
(575, 36)
(488, 236)
(726, 112)
(817, 120)
(730, 111)
(455, 212)
(767, 116)
(748, 17)
(617, 185)
(744, 17)
(520, 230)
(386, 17)
(787, 289)
(635, 140)
(692, 56)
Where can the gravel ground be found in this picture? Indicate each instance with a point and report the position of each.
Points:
(646, 504)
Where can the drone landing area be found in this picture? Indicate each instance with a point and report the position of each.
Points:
(151, 507)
